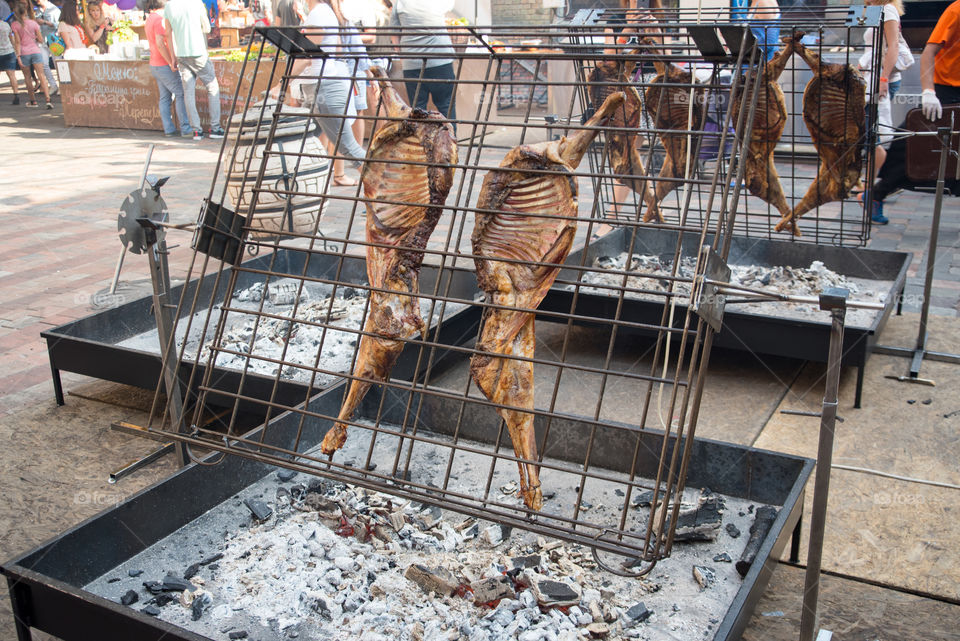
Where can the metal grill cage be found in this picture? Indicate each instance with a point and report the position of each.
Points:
(297, 312)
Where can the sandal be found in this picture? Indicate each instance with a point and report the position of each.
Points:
(31, 103)
(343, 181)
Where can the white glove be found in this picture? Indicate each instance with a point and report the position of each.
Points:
(930, 105)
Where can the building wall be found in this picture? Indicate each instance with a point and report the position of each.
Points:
(508, 12)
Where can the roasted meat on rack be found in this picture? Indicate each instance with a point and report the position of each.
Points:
(406, 179)
(523, 233)
(833, 109)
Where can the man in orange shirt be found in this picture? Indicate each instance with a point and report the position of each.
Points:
(940, 64)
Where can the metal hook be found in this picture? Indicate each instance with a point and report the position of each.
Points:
(618, 571)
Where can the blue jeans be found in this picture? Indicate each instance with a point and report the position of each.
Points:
(442, 91)
(168, 83)
(195, 68)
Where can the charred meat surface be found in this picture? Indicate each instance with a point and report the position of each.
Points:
(769, 121)
(406, 179)
(533, 228)
(606, 79)
(833, 109)
(668, 103)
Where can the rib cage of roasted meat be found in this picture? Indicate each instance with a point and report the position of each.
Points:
(668, 102)
(606, 79)
(534, 224)
(769, 121)
(404, 203)
(833, 110)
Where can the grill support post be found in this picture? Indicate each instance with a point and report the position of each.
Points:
(834, 300)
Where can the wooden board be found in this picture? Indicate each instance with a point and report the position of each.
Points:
(123, 93)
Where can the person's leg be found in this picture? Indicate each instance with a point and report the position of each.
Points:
(164, 100)
(38, 68)
(14, 84)
(443, 93)
(417, 93)
(175, 86)
(188, 80)
(208, 77)
(28, 82)
(48, 71)
(332, 98)
(893, 175)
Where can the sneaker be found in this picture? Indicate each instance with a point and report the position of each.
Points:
(186, 134)
(49, 105)
(31, 103)
(170, 134)
(197, 134)
(16, 99)
(216, 132)
(877, 217)
(54, 91)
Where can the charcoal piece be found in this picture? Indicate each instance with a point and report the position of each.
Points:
(200, 604)
(154, 587)
(911, 401)
(493, 589)
(134, 573)
(555, 593)
(238, 634)
(733, 530)
(723, 557)
(113, 580)
(173, 583)
(151, 610)
(163, 599)
(526, 561)
(260, 510)
(643, 499)
(191, 571)
(704, 576)
(927, 401)
(129, 597)
(637, 613)
(701, 522)
(765, 517)
(286, 475)
(211, 559)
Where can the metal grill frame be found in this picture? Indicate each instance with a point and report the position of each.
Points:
(680, 354)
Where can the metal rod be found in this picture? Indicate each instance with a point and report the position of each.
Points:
(141, 463)
(809, 621)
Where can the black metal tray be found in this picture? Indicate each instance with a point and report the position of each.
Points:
(91, 346)
(806, 339)
(45, 584)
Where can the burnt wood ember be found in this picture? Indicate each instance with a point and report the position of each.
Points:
(732, 530)
(486, 591)
(833, 110)
(151, 610)
(129, 597)
(437, 580)
(637, 613)
(769, 121)
(700, 522)
(554, 593)
(406, 179)
(606, 79)
(765, 517)
(535, 222)
(704, 576)
(260, 510)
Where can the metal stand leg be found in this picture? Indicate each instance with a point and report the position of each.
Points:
(20, 603)
(795, 541)
(859, 394)
(57, 382)
(834, 300)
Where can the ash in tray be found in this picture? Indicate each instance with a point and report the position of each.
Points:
(338, 345)
(294, 556)
(797, 281)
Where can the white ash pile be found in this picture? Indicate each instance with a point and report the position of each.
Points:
(328, 561)
(653, 274)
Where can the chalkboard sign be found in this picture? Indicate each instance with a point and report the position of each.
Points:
(123, 94)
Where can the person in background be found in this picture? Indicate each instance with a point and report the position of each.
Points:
(5, 11)
(71, 27)
(764, 18)
(887, 87)
(97, 26)
(163, 66)
(287, 14)
(28, 52)
(186, 25)
(940, 80)
(940, 64)
(8, 57)
(49, 20)
(436, 66)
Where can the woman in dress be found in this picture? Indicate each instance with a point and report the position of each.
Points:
(71, 27)
(28, 51)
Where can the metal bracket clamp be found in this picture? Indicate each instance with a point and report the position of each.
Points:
(705, 297)
(220, 233)
(834, 298)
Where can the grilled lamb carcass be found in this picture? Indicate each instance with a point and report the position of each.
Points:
(769, 121)
(389, 177)
(833, 109)
(667, 100)
(606, 79)
(535, 222)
